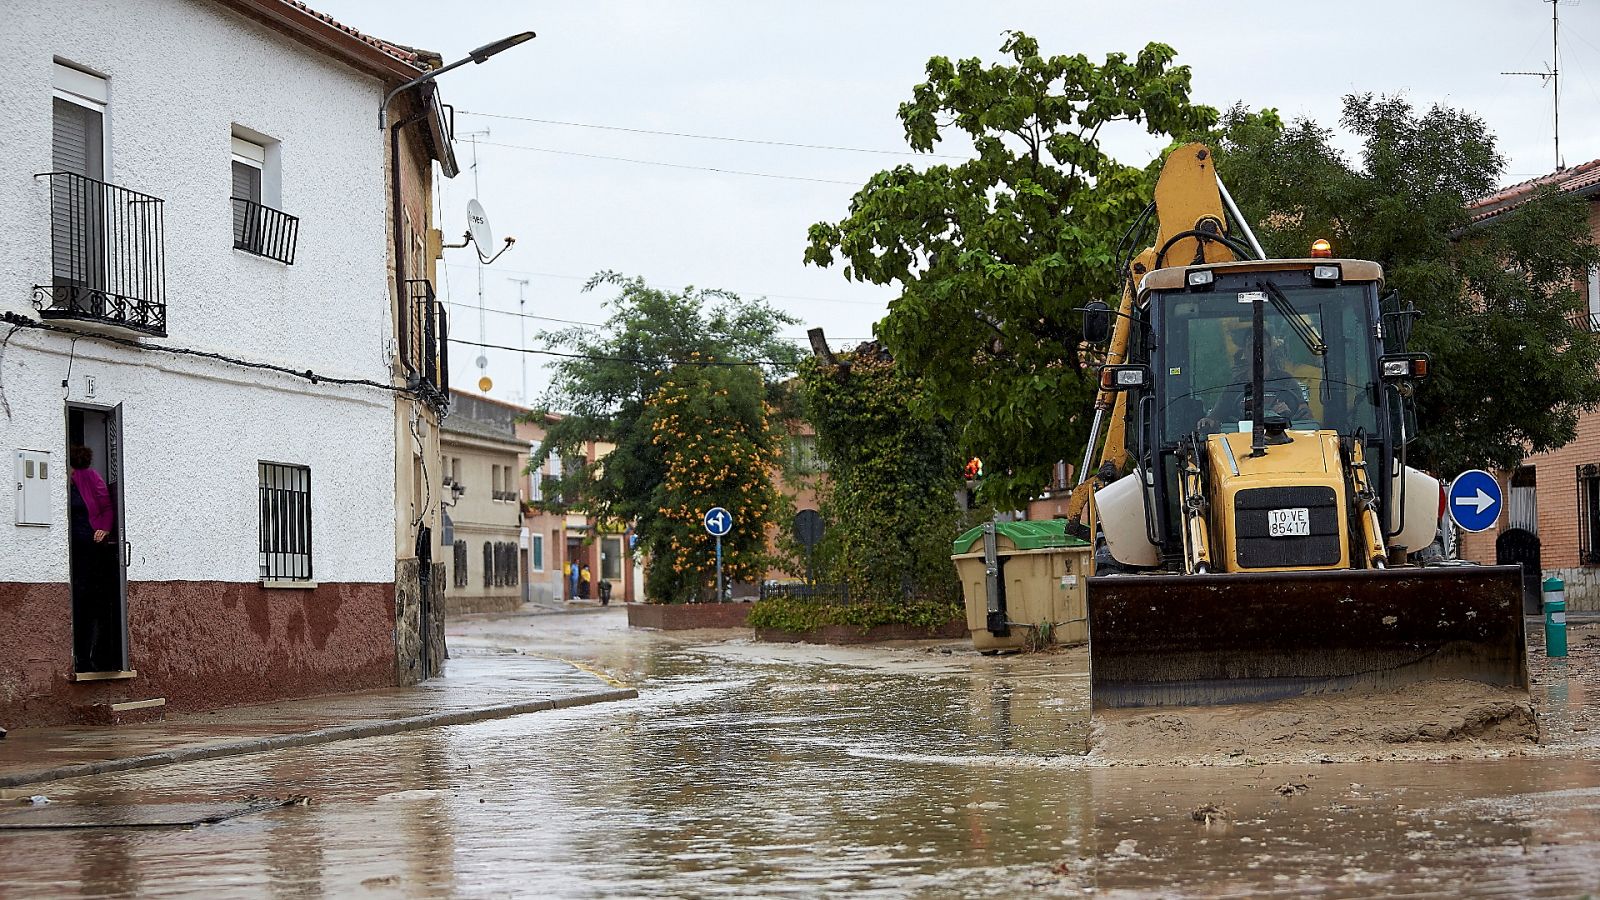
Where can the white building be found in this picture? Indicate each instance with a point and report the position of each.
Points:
(195, 193)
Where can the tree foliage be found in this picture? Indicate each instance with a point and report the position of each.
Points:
(718, 447)
(1513, 359)
(711, 353)
(893, 473)
(993, 255)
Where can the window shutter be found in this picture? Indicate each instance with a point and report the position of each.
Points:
(77, 140)
(246, 182)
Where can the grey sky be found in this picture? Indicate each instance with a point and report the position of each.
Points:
(833, 73)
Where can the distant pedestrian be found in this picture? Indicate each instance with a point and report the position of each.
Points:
(572, 580)
(583, 582)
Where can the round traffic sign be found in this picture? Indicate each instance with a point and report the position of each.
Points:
(1474, 500)
(718, 521)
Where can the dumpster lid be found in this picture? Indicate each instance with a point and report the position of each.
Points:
(1034, 535)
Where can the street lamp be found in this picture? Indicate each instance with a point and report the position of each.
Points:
(479, 55)
(396, 201)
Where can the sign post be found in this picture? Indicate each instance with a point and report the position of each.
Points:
(1475, 500)
(718, 522)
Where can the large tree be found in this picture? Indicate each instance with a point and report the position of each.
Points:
(1513, 358)
(612, 386)
(993, 255)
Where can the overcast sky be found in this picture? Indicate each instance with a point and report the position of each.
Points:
(833, 72)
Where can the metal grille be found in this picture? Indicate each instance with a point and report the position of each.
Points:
(108, 256)
(426, 354)
(1257, 549)
(264, 231)
(285, 522)
(1589, 515)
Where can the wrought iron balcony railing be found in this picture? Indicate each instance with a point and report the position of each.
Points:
(264, 231)
(426, 355)
(107, 256)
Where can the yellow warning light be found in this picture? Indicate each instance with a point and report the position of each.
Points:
(1321, 249)
(484, 384)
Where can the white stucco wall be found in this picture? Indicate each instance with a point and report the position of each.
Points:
(181, 74)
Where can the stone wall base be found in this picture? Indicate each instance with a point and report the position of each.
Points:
(1583, 587)
(683, 616)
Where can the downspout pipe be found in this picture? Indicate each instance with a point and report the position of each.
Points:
(397, 226)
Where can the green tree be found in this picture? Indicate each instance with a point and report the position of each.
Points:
(718, 447)
(993, 255)
(605, 380)
(1513, 359)
(893, 473)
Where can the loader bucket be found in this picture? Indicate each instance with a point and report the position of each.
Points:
(1197, 640)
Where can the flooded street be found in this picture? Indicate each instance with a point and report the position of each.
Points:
(751, 769)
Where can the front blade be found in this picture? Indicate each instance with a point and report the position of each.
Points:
(1196, 640)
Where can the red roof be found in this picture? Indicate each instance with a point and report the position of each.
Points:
(402, 53)
(1506, 199)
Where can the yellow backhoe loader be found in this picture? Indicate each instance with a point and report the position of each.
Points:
(1258, 529)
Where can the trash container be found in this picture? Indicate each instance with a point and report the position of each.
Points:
(605, 593)
(1038, 583)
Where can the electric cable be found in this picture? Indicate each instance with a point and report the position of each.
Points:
(600, 357)
(667, 165)
(710, 137)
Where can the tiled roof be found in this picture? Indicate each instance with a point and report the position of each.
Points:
(405, 54)
(1506, 199)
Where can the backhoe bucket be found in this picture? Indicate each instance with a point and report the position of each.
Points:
(1197, 640)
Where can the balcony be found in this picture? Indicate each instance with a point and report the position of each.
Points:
(264, 231)
(425, 329)
(107, 253)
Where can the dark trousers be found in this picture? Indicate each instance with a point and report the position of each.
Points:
(95, 620)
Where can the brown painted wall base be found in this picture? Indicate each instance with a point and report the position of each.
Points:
(199, 644)
(683, 616)
(850, 634)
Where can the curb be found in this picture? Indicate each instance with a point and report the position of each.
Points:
(311, 738)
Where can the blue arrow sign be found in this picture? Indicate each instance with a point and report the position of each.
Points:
(718, 521)
(1474, 500)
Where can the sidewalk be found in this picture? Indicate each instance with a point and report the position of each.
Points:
(478, 684)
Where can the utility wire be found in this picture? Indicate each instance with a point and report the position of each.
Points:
(675, 288)
(667, 165)
(522, 315)
(19, 321)
(711, 137)
(599, 357)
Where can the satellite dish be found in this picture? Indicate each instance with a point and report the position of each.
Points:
(478, 226)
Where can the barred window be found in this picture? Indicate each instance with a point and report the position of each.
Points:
(1589, 515)
(459, 575)
(285, 506)
(488, 564)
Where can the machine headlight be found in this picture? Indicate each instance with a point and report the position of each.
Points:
(1325, 273)
(1201, 278)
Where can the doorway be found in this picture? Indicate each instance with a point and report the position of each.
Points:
(574, 556)
(97, 540)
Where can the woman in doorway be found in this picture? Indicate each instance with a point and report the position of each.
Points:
(92, 521)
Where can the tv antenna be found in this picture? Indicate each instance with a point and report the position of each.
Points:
(1552, 73)
(481, 236)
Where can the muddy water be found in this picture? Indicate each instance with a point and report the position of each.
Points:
(752, 770)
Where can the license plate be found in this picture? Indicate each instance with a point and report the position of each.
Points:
(1294, 522)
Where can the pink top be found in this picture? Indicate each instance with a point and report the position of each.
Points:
(92, 488)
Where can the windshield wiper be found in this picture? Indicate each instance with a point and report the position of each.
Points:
(1303, 328)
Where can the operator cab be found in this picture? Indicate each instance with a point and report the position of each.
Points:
(1194, 329)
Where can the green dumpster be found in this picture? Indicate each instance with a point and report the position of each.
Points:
(1038, 583)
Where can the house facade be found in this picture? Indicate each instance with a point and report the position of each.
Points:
(481, 459)
(198, 382)
(1551, 516)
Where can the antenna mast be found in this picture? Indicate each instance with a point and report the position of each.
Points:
(1552, 73)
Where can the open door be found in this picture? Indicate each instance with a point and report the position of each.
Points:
(99, 568)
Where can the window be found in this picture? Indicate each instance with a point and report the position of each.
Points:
(535, 477)
(1589, 515)
(459, 569)
(803, 455)
(78, 147)
(536, 552)
(78, 133)
(496, 480)
(285, 496)
(259, 228)
(488, 564)
(249, 159)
